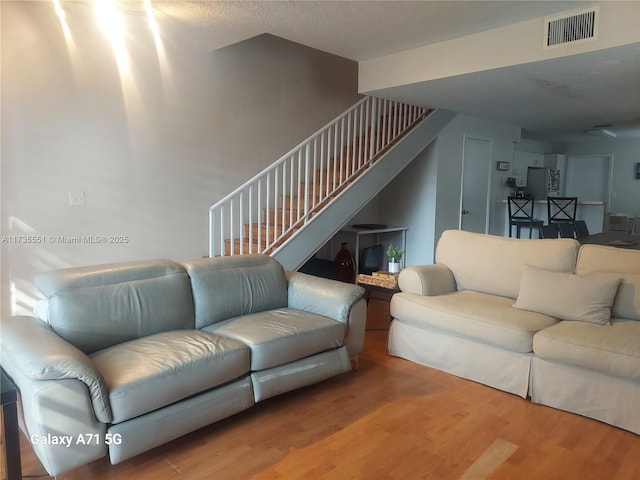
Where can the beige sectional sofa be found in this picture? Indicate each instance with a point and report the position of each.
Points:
(132, 355)
(546, 319)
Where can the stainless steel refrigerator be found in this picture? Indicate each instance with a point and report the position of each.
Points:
(543, 182)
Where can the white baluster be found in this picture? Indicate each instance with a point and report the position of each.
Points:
(313, 176)
(360, 134)
(240, 225)
(321, 166)
(307, 192)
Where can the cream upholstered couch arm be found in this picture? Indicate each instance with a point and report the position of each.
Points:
(340, 301)
(427, 280)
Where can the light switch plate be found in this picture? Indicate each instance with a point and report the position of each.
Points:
(76, 199)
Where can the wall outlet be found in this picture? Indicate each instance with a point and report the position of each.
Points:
(76, 199)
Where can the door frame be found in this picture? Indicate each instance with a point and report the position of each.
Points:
(489, 172)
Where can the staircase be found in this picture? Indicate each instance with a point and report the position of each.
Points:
(295, 205)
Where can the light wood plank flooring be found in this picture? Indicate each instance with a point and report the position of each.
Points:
(390, 420)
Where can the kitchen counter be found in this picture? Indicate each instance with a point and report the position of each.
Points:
(580, 202)
(591, 211)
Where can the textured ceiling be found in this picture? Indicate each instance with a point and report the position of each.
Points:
(358, 30)
(544, 97)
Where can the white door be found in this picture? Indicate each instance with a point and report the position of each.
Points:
(588, 177)
(476, 161)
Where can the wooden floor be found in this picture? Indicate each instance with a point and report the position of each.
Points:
(390, 420)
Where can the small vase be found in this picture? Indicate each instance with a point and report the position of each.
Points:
(344, 264)
(394, 267)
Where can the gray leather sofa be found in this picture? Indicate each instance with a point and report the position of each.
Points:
(125, 357)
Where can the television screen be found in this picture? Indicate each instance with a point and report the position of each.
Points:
(370, 259)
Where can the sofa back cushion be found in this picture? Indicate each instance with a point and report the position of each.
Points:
(100, 306)
(226, 287)
(494, 265)
(594, 259)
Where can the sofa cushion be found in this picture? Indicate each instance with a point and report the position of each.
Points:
(487, 318)
(625, 263)
(567, 296)
(227, 287)
(99, 306)
(610, 349)
(492, 264)
(281, 336)
(148, 373)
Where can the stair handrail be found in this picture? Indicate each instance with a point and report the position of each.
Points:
(287, 155)
(382, 121)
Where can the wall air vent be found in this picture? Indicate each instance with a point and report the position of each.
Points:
(572, 27)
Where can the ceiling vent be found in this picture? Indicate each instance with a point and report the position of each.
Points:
(571, 28)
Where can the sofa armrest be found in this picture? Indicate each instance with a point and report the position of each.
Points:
(427, 280)
(321, 296)
(38, 353)
(343, 302)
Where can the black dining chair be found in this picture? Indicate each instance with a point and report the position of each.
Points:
(521, 215)
(566, 230)
(548, 231)
(582, 230)
(562, 210)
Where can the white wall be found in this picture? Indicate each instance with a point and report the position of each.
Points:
(426, 196)
(625, 189)
(503, 138)
(151, 148)
(409, 200)
(534, 146)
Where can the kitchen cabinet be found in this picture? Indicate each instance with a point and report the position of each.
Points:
(521, 163)
(554, 160)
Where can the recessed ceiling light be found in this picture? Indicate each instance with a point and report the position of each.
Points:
(601, 132)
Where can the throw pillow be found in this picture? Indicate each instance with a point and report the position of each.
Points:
(567, 296)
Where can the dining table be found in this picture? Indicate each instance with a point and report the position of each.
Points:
(613, 239)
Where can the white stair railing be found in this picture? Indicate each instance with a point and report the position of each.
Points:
(259, 215)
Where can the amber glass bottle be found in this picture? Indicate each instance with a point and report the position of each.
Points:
(344, 264)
